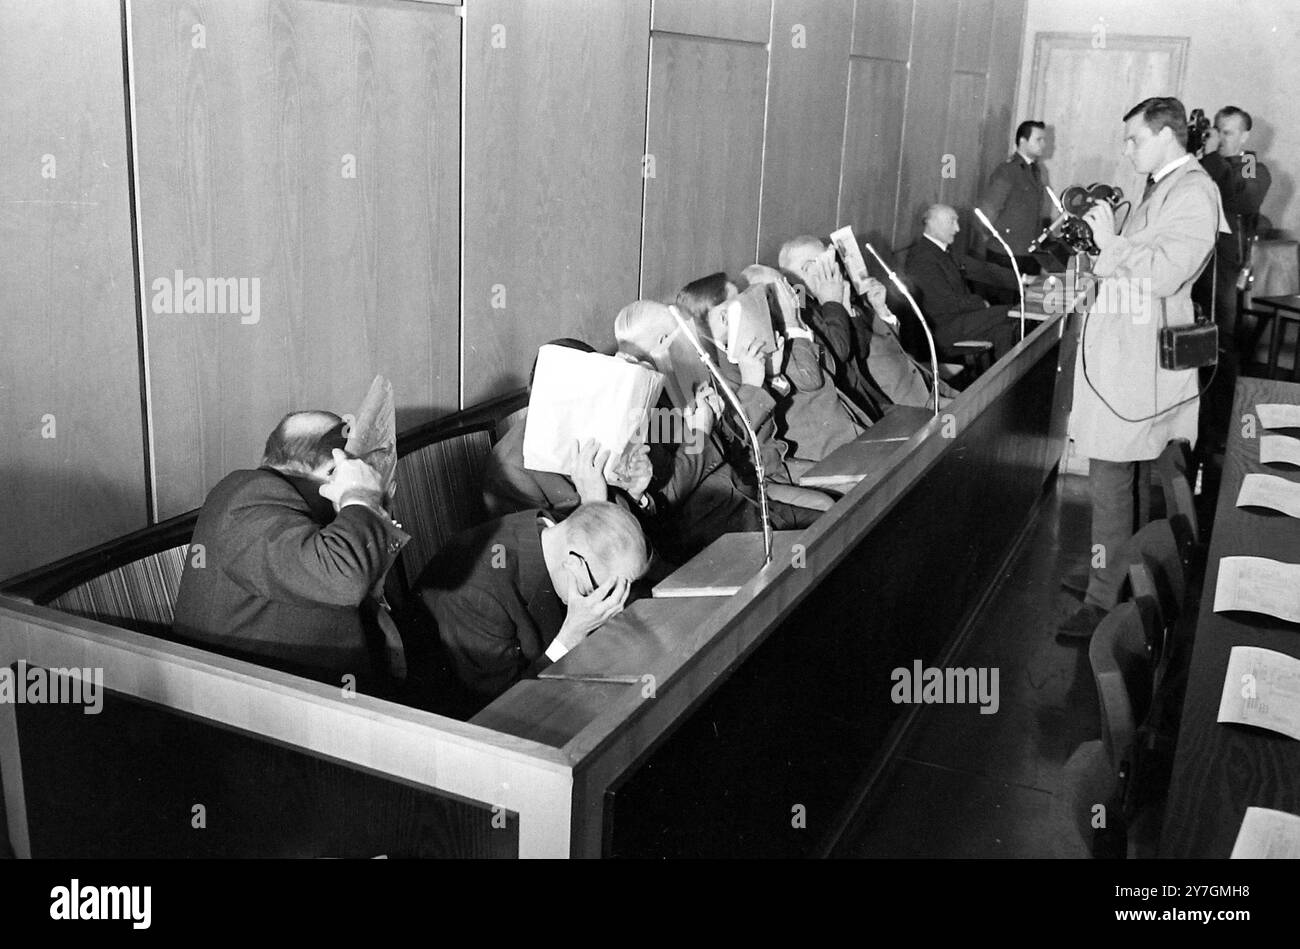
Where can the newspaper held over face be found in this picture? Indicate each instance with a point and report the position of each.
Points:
(372, 432)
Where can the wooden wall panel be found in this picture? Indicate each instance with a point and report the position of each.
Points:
(1007, 36)
(748, 20)
(869, 189)
(928, 86)
(962, 141)
(882, 29)
(250, 118)
(706, 137)
(554, 135)
(808, 84)
(974, 23)
(68, 353)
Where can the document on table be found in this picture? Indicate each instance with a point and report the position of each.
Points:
(1284, 449)
(1262, 688)
(1267, 834)
(1278, 415)
(1271, 491)
(1259, 585)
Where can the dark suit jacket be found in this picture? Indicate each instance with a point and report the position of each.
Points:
(281, 577)
(1013, 201)
(849, 343)
(1243, 182)
(490, 595)
(940, 279)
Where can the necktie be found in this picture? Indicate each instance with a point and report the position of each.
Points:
(1151, 186)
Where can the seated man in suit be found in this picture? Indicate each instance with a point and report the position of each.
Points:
(812, 415)
(827, 310)
(513, 595)
(954, 312)
(292, 553)
(904, 380)
(711, 489)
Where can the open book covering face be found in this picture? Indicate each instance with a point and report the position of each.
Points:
(736, 323)
(578, 396)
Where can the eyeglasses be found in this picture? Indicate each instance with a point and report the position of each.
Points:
(586, 566)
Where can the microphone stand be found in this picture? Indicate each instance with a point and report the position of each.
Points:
(1020, 283)
(731, 396)
(929, 337)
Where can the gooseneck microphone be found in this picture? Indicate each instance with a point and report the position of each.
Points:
(754, 445)
(1062, 215)
(1020, 282)
(929, 337)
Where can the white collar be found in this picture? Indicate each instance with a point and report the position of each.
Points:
(1187, 156)
(935, 242)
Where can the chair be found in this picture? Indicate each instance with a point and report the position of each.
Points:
(439, 490)
(1098, 771)
(1180, 505)
(508, 422)
(140, 595)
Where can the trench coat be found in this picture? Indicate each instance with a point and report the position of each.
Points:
(1127, 408)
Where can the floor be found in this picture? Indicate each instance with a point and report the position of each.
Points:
(966, 784)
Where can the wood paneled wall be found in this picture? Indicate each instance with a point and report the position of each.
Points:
(611, 148)
(314, 148)
(554, 130)
(72, 469)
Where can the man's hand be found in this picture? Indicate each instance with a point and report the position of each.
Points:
(351, 479)
(635, 473)
(825, 281)
(1210, 144)
(752, 370)
(700, 415)
(589, 472)
(876, 294)
(1101, 218)
(586, 614)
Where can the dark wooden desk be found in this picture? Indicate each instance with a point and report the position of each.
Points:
(1285, 310)
(1220, 770)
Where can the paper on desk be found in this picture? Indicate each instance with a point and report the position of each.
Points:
(1278, 415)
(1262, 688)
(1267, 834)
(1271, 491)
(1259, 585)
(1284, 449)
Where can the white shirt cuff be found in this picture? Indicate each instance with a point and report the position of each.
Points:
(795, 332)
(556, 650)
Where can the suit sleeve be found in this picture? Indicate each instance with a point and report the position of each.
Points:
(296, 559)
(837, 330)
(992, 275)
(924, 271)
(1170, 250)
(479, 636)
(804, 365)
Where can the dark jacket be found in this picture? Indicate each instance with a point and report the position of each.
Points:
(1013, 201)
(490, 595)
(1243, 182)
(939, 278)
(280, 579)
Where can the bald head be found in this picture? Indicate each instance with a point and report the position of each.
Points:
(642, 327)
(760, 274)
(609, 539)
(796, 252)
(303, 442)
(940, 222)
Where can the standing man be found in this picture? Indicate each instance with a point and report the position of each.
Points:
(1243, 182)
(1127, 408)
(1013, 200)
